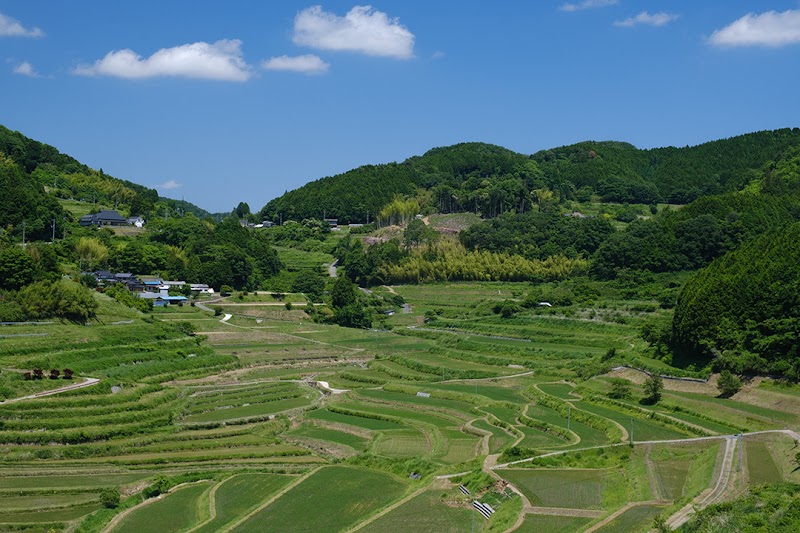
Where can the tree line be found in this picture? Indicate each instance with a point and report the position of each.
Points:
(491, 180)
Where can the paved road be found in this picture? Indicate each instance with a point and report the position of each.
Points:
(704, 500)
(88, 382)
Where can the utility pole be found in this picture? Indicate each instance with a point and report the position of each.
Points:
(54, 232)
(631, 432)
(741, 451)
(473, 516)
(65, 228)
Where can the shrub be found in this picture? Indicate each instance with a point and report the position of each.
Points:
(187, 328)
(620, 389)
(11, 311)
(159, 486)
(652, 390)
(61, 299)
(728, 384)
(54, 373)
(109, 498)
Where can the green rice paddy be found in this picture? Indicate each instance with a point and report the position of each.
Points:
(237, 419)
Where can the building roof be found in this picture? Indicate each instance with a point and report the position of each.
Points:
(149, 295)
(107, 216)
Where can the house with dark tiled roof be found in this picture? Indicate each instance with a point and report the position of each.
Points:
(107, 217)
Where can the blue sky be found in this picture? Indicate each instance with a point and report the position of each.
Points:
(239, 101)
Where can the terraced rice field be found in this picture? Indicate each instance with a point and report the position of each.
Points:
(553, 524)
(761, 467)
(175, 511)
(428, 512)
(352, 420)
(259, 400)
(240, 494)
(403, 443)
(635, 519)
(339, 496)
(642, 429)
(239, 413)
(574, 489)
(331, 435)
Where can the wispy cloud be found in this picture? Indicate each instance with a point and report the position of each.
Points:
(306, 64)
(362, 30)
(10, 27)
(26, 69)
(169, 185)
(656, 19)
(221, 60)
(771, 29)
(588, 4)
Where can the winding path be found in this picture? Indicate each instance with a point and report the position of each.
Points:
(88, 382)
(707, 498)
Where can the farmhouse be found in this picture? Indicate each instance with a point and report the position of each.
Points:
(103, 218)
(136, 221)
(201, 288)
(161, 300)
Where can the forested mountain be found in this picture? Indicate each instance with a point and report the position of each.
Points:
(491, 180)
(475, 177)
(24, 206)
(67, 178)
(744, 309)
(620, 172)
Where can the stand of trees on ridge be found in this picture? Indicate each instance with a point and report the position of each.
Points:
(491, 180)
(34, 174)
(743, 310)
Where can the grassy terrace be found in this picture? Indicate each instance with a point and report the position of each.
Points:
(234, 421)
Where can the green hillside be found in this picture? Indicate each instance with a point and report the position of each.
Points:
(491, 180)
(745, 307)
(620, 172)
(66, 178)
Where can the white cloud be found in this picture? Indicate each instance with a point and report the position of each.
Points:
(26, 69)
(169, 185)
(767, 29)
(588, 4)
(10, 27)
(221, 60)
(307, 64)
(656, 19)
(361, 30)
(438, 55)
